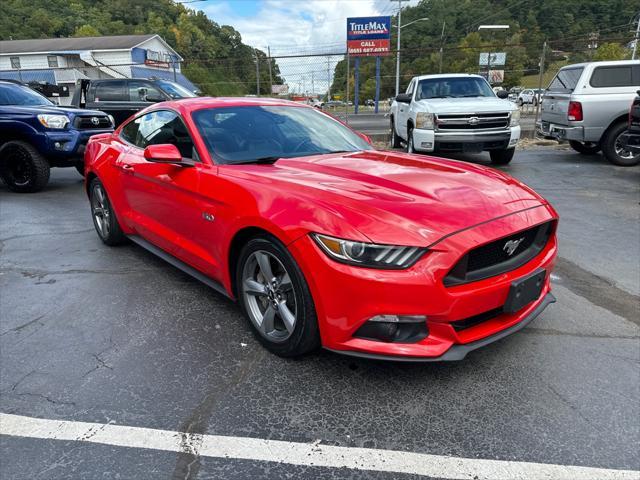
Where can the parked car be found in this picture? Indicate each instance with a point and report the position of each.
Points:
(530, 95)
(455, 112)
(630, 140)
(513, 94)
(36, 134)
(299, 218)
(122, 97)
(587, 104)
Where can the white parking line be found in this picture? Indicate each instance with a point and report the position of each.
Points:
(308, 454)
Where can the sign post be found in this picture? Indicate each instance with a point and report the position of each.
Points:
(368, 37)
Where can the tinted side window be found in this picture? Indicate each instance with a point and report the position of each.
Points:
(164, 126)
(110, 92)
(612, 77)
(139, 91)
(566, 80)
(129, 132)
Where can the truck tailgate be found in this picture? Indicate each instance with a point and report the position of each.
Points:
(554, 108)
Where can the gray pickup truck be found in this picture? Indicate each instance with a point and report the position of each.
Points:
(587, 104)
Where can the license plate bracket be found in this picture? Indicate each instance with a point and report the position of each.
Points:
(524, 291)
(472, 147)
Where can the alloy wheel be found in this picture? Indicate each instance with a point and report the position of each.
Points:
(620, 150)
(269, 296)
(100, 210)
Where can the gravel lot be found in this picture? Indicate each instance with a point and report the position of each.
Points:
(97, 334)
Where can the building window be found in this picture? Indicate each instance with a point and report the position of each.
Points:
(15, 62)
(53, 61)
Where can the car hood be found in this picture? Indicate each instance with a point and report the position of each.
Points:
(397, 198)
(52, 110)
(467, 105)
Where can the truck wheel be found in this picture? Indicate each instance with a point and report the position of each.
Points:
(22, 167)
(614, 151)
(586, 148)
(501, 157)
(395, 139)
(410, 147)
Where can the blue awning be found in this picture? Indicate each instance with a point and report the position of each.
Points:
(143, 72)
(26, 76)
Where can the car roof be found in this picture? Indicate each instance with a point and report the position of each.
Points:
(199, 103)
(447, 75)
(602, 63)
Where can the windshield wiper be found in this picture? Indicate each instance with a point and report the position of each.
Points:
(258, 161)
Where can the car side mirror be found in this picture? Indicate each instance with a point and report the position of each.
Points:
(404, 98)
(154, 98)
(366, 138)
(165, 153)
(502, 94)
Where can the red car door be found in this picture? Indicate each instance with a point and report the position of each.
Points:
(163, 199)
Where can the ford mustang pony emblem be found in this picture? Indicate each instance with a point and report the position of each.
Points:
(511, 246)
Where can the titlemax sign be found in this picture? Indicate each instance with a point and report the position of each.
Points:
(368, 28)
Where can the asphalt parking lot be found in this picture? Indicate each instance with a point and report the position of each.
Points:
(115, 336)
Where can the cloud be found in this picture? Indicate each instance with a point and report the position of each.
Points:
(298, 27)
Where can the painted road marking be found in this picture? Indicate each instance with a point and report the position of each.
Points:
(293, 453)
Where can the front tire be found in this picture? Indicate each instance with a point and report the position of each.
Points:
(613, 150)
(410, 145)
(275, 298)
(104, 218)
(586, 148)
(23, 168)
(396, 141)
(502, 157)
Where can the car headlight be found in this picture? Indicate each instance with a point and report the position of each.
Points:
(424, 121)
(53, 121)
(368, 254)
(113, 120)
(515, 118)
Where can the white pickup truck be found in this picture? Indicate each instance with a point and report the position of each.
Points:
(455, 112)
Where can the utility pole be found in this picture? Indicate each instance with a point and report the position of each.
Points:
(636, 38)
(544, 49)
(398, 47)
(328, 81)
(257, 75)
(270, 76)
(441, 45)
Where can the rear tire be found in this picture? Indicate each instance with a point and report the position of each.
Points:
(612, 149)
(586, 148)
(275, 298)
(104, 217)
(23, 168)
(396, 141)
(501, 157)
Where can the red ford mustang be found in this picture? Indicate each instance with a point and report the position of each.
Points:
(322, 239)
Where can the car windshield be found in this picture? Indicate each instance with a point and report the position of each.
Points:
(248, 134)
(14, 94)
(453, 87)
(174, 90)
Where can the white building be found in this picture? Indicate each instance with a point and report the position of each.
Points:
(63, 61)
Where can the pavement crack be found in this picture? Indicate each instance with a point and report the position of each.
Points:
(47, 398)
(568, 403)
(24, 325)
(551, 331)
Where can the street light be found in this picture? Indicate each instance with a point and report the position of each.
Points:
(492, 28)
(400, 27)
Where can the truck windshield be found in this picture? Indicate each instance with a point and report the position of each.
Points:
(14, 94)
(174, 90)
(565, 80)
(453, 87)
(259, 134)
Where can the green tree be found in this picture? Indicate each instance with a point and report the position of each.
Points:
(611, 51)
(86, 31)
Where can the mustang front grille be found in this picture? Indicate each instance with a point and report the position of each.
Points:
(500, 256)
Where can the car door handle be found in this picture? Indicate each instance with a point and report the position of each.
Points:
(126, 168)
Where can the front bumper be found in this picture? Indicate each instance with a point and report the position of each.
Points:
(346, 297)
(67, 146)
(431, 140)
